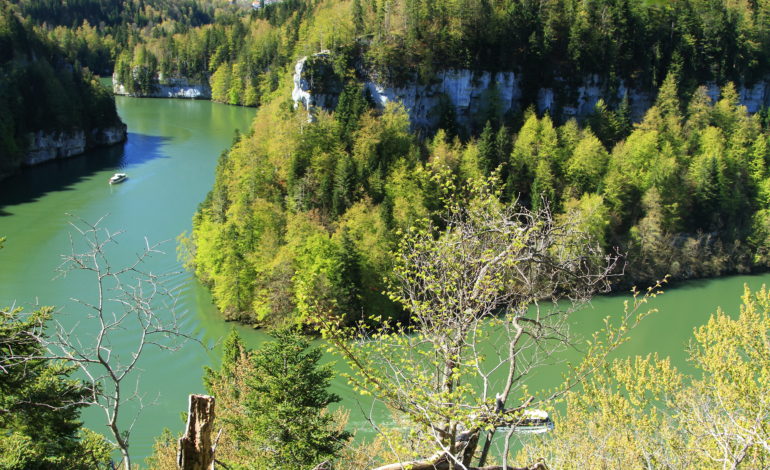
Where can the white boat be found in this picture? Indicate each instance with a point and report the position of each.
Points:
(118, 178)
(532, 422)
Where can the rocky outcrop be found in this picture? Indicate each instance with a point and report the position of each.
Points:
(168, 88)
(470, 92)
(46, 146)
(314, 83)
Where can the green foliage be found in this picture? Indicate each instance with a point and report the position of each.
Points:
(273, 403)
(40, 91)
(639, 41)
(643, 409)
(311, 226)
(685, 193)
(40, 403)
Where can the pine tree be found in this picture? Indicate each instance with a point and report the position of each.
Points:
(487, 152)
(344, 184)
(668, 98)
(623, 121)
(39, 403)
(233, 349)
(250, 95)
(543, 191)
(236, 85)
(349, 280)
(351, 105)
(220, 83)
(286, 398)
(358, 17)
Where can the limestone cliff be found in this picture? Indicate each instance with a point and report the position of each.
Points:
(167, 88)
(468, 92)
(46, 146)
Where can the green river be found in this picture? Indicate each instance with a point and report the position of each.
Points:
(170, 158)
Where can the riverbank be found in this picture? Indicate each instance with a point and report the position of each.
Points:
(170, 156)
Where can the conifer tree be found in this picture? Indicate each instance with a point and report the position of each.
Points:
(543, 190)
(286, 397)
(487, 152)
(344, 184)
(40, 403)
(358, 17)
(220, 83)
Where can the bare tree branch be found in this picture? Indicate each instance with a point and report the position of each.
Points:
(130, 302)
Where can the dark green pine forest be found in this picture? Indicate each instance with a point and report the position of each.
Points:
(242, 51)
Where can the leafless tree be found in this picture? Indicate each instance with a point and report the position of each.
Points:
(130, 302)
(490, 291)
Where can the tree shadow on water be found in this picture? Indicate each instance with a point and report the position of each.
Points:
(31, 183)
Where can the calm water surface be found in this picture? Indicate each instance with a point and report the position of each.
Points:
(170, 158)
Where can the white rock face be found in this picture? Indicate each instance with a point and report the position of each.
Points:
(170, 88)
(469, 92)
(49, 146)
(45, 146)
(301, 91)
(465, 91)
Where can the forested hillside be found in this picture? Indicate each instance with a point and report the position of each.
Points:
(41, 91)
(301, 210)
(641, 40)
(442, 264)
(240, 51)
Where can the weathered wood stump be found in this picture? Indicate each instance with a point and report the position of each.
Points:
(195, 447)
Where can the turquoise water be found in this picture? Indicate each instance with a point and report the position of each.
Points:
(170, 158)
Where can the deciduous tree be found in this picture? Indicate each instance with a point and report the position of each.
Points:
(478, 289)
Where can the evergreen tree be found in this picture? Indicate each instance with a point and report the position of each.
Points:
(488, 155)
(543, 190)
(349, 278)
(350, 107)
(358, 17)
(220, 83)
(344, 185)
(668, 101)
(40, 403)
(287, 397)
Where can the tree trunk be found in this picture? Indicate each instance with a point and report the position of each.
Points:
(195, 451)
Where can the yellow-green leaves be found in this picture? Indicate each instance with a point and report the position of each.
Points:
(642, 412)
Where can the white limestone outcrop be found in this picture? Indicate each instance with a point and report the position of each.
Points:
(469, 91)
(168, 88)
(45, 146)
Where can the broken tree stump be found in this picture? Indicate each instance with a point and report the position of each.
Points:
(195, 447)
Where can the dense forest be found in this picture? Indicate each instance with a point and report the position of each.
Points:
(147, 43)
(443, 268)
(301, 209)
(241, 51)
(41, 91)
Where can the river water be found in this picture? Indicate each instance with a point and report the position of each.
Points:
(170, 158)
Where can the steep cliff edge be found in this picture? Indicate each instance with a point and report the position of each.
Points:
(45, 146)
(469, 94)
